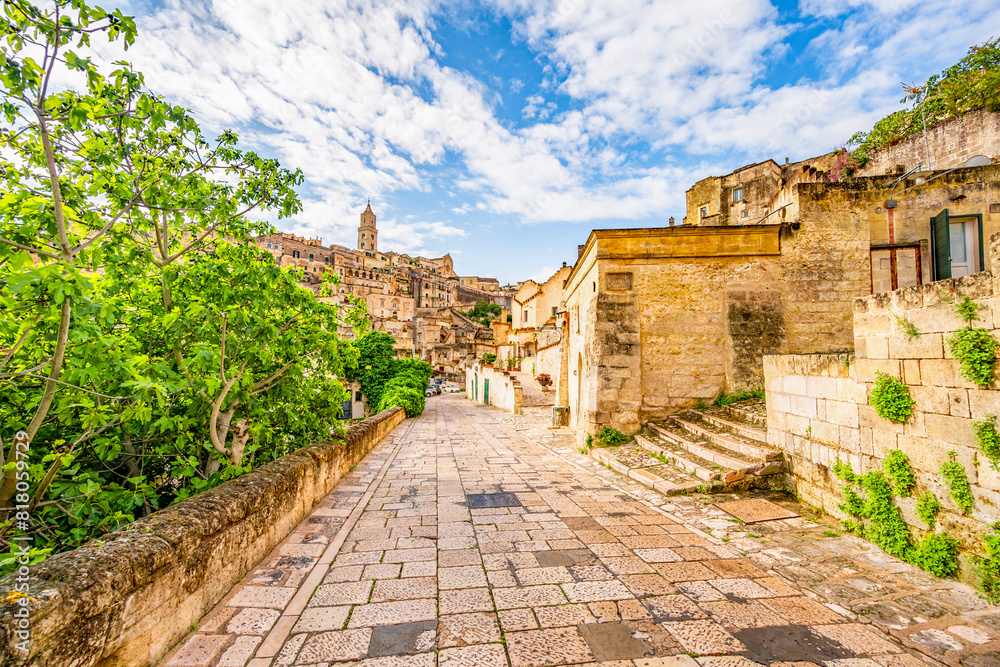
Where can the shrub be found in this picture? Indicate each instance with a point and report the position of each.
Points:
(988, 568)
(611, 436)
(739, 395)
(489, 358)
(891, 399)
(928, 507)
(938, 554)
(974, 348)
(397, 393)
(988, 439)
(897, 466)
(958, 483)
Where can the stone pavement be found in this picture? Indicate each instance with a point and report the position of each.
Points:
(474, 538)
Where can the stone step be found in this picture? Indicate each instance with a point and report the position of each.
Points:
(702, 447)
(723, 419)
(752, 412)
(667, 482)
(699, 467)
(737, 445)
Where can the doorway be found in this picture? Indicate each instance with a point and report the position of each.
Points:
(957, 246)
(579, 388)
(964, 247)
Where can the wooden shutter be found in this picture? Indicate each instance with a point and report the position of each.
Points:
(941, 245)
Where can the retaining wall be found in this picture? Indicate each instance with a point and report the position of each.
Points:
(127, 599)
(818, 407)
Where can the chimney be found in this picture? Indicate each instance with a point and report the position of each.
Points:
(671, 221)
(579, 250)
(786, 160)
(564, 265)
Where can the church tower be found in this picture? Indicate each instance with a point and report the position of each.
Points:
(367, 234)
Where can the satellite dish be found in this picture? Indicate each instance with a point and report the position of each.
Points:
(977, 161)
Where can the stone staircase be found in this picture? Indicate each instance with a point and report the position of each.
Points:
(715, 449)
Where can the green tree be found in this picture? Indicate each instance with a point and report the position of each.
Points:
(147, 347)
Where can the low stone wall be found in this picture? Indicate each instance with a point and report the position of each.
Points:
(505, 389)
(951, 143)
(818, 404)
(127, 599)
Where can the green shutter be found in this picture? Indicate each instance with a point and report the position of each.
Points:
(941, 245)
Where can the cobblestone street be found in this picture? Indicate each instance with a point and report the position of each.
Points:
(475, 538)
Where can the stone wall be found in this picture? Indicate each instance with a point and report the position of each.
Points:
(504, 388)
(127, 599)
(951, 144)
(818, 405)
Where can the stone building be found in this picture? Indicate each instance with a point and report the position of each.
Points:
(660, 319)
(393, 286)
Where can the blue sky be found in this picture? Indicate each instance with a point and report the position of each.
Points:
(504, 131)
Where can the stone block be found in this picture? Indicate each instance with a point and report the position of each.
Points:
(983, 402)
(803, 406)
(876, 347)
(794, 385)
(842, 413)
(779, 402)
(952, 430)
(867, 369)
(936, 319)
(825, 432)
(883, 441)
(916, 424)
(911, 372)
(925, 346)
(958, 400)
(822, 387)
(931, 399)
(941, 373)
(850, 439)
(797, 424)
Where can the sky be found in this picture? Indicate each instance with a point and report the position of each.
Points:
(503, 131)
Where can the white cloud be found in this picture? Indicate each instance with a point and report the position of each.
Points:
(354, 94)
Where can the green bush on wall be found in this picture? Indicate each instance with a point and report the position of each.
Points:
(891, 399)
(988, 439)
(975, 348)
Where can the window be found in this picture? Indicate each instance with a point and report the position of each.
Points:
(746, 214)
(357, 396)
(525, 316)
(326, 260)
(555, 309)
(268, 244)
(295, 254)
(703, 212)
(310, 257)
(738, 195)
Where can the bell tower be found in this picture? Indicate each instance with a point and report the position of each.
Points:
(367, 234)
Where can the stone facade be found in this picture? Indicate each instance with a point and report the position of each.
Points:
(660, 319)
(951, 143)
(818, 405)
(126, 600)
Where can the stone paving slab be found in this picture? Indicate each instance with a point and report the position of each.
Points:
(474, 538)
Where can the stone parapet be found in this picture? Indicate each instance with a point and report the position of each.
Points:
(126, 599)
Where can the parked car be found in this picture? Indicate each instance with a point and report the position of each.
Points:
(429, 392)
(451, 389)
(437, 389)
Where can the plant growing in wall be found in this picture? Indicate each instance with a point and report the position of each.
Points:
(988, 568)
(958, 484)
(908, 328)
(611, 436)
(938, 554)
(975, 348)
(878, 519)
(897, 466)
(928, 507)
(988, 439)
(891, 399)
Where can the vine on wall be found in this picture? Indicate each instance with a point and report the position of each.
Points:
(975, 348)
(891, 399)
